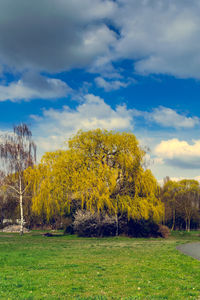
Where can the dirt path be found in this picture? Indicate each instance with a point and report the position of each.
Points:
(191, 249)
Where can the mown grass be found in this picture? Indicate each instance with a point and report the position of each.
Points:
(68, 267)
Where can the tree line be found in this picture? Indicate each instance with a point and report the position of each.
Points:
(182, 203)
(101, 172)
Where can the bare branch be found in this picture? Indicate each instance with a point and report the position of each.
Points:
(12, 188)
(17, 153)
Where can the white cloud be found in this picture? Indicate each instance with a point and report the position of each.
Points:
(34, 86)
(56, 126)
(58, 35)
(174, 147)
(161, 36)
(54, 35)
(161, 181)
(179, 153)
(181, 178)
(158, 161)
(167, 117)
(110, 85)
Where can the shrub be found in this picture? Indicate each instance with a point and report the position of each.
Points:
(142, 228)
(138, 228)
(107, 226)
(164, 231)
(123, 224)
(68, 226)
(86, 224)
(89, 224)
(93, 225)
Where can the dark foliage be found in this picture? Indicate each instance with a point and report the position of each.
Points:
(68, 226)
(93, 225)
(138, 228)
(87, 224)
(107, 226)
(142, 228)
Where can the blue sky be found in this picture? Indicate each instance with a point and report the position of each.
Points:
(124, 65)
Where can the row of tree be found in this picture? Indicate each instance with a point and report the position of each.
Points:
(101, 172)
(182, 203)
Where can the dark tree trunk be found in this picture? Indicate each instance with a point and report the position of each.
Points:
(117, 224)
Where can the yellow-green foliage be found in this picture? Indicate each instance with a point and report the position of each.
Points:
(174, 191)
(104, 170)
(181, 198)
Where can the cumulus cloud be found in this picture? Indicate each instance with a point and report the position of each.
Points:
(54, 35)
(161, 181)
(167, 117)
(181, 178)
(179, 153)
(34, 86)
(55, 126)
(160, 36)
(58, 35)
(110, 85)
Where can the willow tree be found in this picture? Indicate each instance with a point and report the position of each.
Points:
(17, 153)
(103, 170)
(53, 183)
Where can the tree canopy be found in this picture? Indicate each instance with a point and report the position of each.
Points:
(103, 170)
(183, 199)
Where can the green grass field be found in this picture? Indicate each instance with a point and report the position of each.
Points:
(67, 267)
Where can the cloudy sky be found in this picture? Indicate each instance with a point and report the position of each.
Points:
(126, 65)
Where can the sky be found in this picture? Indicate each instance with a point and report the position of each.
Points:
(123, 65)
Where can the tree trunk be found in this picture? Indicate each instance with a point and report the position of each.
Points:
(188, 229)
(174, 218)
(187, 226)
(164, 216)
(117, 224)
(21, 208)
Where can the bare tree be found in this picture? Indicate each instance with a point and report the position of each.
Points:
(18, 152)
(189, 195)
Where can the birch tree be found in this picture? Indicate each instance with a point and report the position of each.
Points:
(17, 153)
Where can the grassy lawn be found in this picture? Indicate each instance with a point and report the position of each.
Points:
(67, 267)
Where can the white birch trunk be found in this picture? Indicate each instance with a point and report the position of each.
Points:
(21, 208)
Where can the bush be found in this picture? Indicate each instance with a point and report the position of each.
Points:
(86, 223)
(69, 229)
(123, 224)
(143, 228)
(107, 226)
(164, 231)
(67, 224)
(89, 224)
